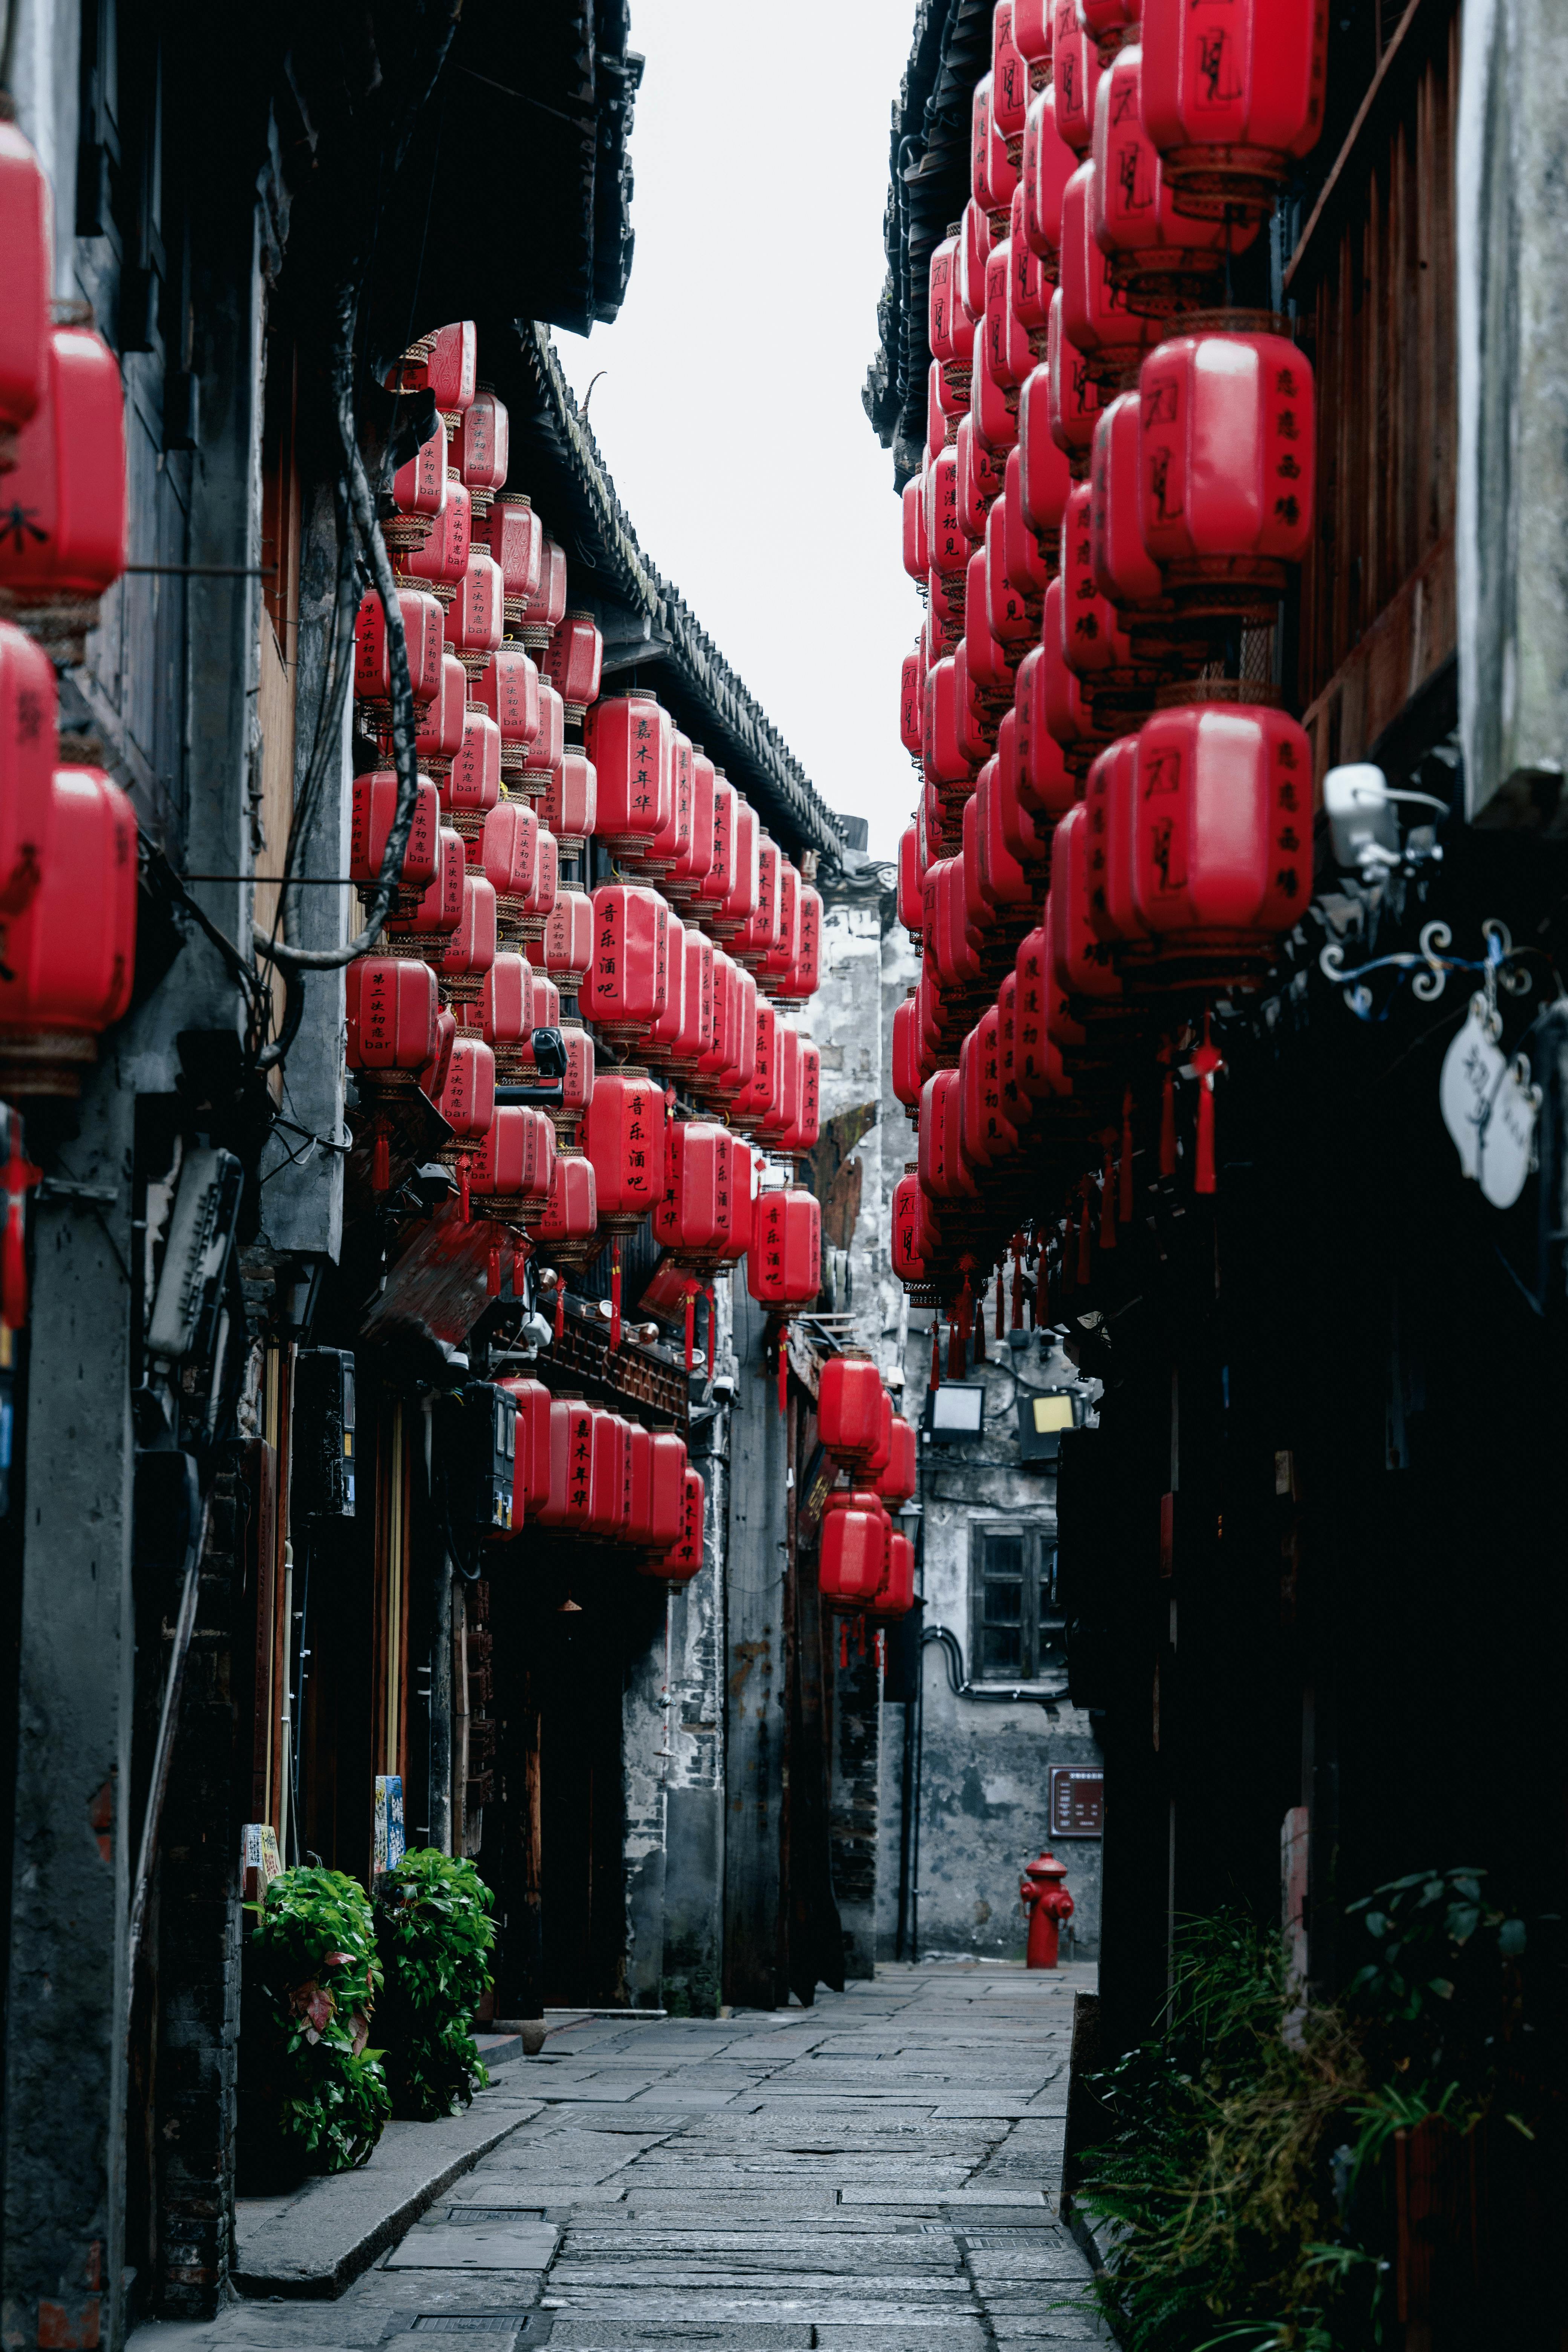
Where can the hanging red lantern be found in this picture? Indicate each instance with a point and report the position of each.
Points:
(1229, 440)
(758, 935)
(908, 1074)
(375, 807)
(1009, 353)
(849, 1401)
(1012, 613)
(655, 1519)
(444, 363)
(534, 770)
(912, 896)
(548, 609)
(68, 952)
(660, 856)
(420, 490)
(510, 1173)
(568, 950)
(895, 1596)
(442, 557)
(852, 1554)
(570, 1221)
(1030, 284)
(28, 721)
(26, 239)
(631, 744)
(482, 448)
(916, 544)
(1096, 318)
(574, 662)
(1072, 395)
(1009, 78)
(1049, 162)
(477, 617)
(945, 1172)
(1045, 469)
(750, 1107)
(1027, 565)
(735, 910)
(628, 980)
(610, 1481)
(684, 1559)
(466, 1096)
(506, 847)
(779, 963)
(440, 723)
(1232, 96)
(665, 1032)
(515, 536)
(422, 625)
(695, 1037)
(1163, 260)
(726, 1067)
(950, 327)
(1110, 812)
(570, 808)
(693, 862)
(622, 1134)
(803, 1132)
(946, 538)
(1083, 968)
(783, 1111)
(437, 912)
(703, 1217)
(506, 1003)
(993, 409)
(1070, 716)
(1075, 75)
(899, 1480)
(993, 174)
(946, 761)
(66, 490)
(987, 1139)
(471, 950)
(564, 1466)
(391, 1004)
(473, 785)
(783, 1261)
(977, 232)
(1032, 31)
(1223, 843)
(506, 689)
(909, 1263)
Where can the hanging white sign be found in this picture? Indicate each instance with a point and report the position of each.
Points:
(1508, 1139)
(1471, 1068)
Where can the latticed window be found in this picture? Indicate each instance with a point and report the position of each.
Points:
(1015, 1633)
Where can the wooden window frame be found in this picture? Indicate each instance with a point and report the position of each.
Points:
(1037, 1624)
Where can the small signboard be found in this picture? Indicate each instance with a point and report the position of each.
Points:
(390, 1844)
(259, 1861)
(1078, 1801)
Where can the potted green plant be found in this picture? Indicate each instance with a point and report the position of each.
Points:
(434, 1936)
(312, 2093)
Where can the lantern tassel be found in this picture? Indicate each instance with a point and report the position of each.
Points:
(844, 1645)
(465, 1199)
(380, 1161)
(493, 1273)
(1207, 1062)
(1017, 1287)
(1124, 1165)
(1168, 1115)
(616, 1296)
(859, 1637)
(20, 1177)
(560, 1310)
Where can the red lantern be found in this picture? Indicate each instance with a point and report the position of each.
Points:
(1223, 842)
(569, 939)
(944, 1173)
(515, 536)
(950, 329)
(68, 953)
(445, 364)
(570, 1215)
(899, 1481)
(1045, 471)
(507, 849)
(1163, 260)
(673, 840)
(1009, 77)
(802, 1135)
(628, 980)
(1032, 28)
(1010, 355)
(506, 1001)
(684, 1559)
(704, 1215)
(1229, 438)
(784, 1263)
(719, 1071)
(909, 1075)
(759, 1092)
(896, 1594)
(443, 557)
(1030, 284)
(1027, 566)
(391, 1004)
(666, 1032)
(779, 964)
(610, 1480)
(657, 1490)
(477, 617)
(1049, 162)
(1006, 882)
(849, 1401)
(530, 1437)
(375, 807)
(1231, 96)
(440, 909)
(508, 690)
(28, 718)
(535, 770)
(548, 609)
(1012, 613)
(993, 407)
(1082, 967)
(758, 935)
(438, 733)
(735, 911)
(471, 950)
(65, 495)
(631, 742)
(1075, 73)
(986, 1136)
(695, 1037)
(909, 1263)
(563, 1467)
(622, 1135)
(694, 861)
(514, 1167)
(474, 783)
(1072, 393)
(911, 899)
(917, 546)
(1046, 784)
(570, 807)
(1070, 716)
(483, 445)
(1110, 817)
(467, 1097)
(27, 237)
(976, 234)
(1096, 319)
(853, 1550)
(419, 492)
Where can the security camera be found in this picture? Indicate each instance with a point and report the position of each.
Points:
(723, 1387)
(536, 1332)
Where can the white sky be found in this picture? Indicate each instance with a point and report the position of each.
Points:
(729, 412)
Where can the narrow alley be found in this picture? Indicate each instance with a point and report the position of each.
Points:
(878, 2172)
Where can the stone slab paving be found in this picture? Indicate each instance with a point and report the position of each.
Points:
(878, 2173)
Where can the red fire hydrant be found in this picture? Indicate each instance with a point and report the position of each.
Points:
(1048, 1902)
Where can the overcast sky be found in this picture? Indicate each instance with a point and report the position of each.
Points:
(729, 412)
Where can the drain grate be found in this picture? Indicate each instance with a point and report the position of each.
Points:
(471, 2323)
(460, 2214)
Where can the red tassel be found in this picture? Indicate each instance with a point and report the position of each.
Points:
(692, 1288)
(560, 1310)
(712, 1329)
(616, 1296)
(380, 1161)
(1084, 1237)
(20, 1177)
(492, 1278)
(1124, 1168)
(464, 1198)
(1168, 1115)
(844, 1645)
(936, 1352)
(1207, 1062)
(1107, 1202)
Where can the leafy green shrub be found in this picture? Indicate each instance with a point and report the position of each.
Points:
(434, 1934)
(313, 2097)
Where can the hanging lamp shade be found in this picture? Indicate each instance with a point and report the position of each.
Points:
(70, 952)
(515, 536)
(375, 808)
(471, 950)
(950, 327)
(573, 663)
(440, 723)
(66, 491)
(27, 239)
(472, 785)
(622, 1134)
(508, 690)
(1096, 320)
(851, 1555)
(631, 742)
(849, 1401)
(684, 1559)
(1075, 75)
(783, 1261)
(568, 945)
(570, 807)
(440, 909)
(898, 1482)
(1233, 95)
(1049, 162)
(391, 1004)
(703, 1216)
(1161, 259)
(627, 983)
(909, 1263)
(506, 1001)
(445, 364)
(693, 862)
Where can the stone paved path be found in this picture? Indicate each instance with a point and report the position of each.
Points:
(876, 2174)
